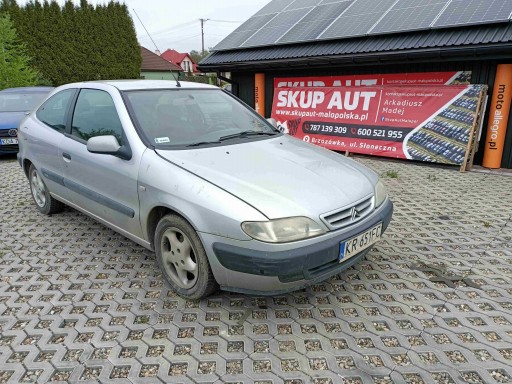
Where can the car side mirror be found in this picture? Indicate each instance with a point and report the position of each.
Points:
(108, 145)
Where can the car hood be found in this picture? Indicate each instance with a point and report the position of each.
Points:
(10, 119)
(281, 177)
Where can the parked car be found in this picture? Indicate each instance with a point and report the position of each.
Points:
(189, 171)
(14, 103)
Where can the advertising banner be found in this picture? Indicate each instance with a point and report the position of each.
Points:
(429, 123)
(419, 78)
(259, 93)
(498, 117)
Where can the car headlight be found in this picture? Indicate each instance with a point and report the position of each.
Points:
(282, 230)
(380, 193)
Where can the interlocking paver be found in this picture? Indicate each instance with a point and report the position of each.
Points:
(431, 303)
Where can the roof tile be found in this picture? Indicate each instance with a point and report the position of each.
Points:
(152, 62)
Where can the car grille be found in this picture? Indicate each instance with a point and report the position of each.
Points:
(5, 133)
(346, 216)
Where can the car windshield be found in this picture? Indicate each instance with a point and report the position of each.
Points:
(20, 102)
(194, 117)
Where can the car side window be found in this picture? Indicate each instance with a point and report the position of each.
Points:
(54, 111)
(96, 115)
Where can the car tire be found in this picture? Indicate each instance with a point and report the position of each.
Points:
(182, 258)
(45, 203)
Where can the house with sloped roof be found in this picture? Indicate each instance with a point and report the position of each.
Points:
(182, 60)
(154, 67)
(296, 41)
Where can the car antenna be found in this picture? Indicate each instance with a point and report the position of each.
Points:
(143, 26)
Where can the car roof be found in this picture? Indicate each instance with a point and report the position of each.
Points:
(128, 85)
(27, 90)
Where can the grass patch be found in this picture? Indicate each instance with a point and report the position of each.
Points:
(431, 177)
(391, 174)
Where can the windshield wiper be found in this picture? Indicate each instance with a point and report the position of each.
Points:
(246, 134)
(198, 144)
(233, 136)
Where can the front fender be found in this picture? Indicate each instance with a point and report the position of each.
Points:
(206, 207)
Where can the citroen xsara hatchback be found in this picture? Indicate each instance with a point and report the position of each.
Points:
(189, 171)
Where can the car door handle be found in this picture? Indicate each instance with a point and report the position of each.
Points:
(66, 156)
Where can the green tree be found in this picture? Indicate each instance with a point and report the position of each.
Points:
(14, 62)
(72, 43)
(198, 56)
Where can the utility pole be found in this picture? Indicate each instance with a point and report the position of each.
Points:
(202, 34)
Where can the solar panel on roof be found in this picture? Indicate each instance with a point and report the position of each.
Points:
(256, 22)
(246, 30)
(273, 7)
(297, 4)
(408, 19)
(460, 12)
(234, 39)
(323, 2)
(314, 22)
(358, 18)
(417, 3)
(350, 26)
(291, 21)
(363, 7)
(276, 28)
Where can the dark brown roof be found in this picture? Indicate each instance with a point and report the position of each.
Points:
(152, 62)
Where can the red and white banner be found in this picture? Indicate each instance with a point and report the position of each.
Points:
(430, 123)
(419, 78)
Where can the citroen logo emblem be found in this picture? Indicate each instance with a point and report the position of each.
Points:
(354, 213)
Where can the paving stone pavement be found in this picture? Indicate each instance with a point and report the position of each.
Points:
(431, 303)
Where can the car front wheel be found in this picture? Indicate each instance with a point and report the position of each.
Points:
(182, 258)
(44, 201)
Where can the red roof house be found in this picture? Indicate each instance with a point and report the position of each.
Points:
(182, 60)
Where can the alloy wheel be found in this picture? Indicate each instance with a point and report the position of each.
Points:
(179, 258)
(38, 189)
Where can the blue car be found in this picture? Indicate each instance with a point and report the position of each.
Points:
(14, 103)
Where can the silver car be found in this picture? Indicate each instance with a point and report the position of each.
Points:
(187, 170)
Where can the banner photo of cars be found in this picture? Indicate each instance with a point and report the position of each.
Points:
(419, 78)
(428, 123)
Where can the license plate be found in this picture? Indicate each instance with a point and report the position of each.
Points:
(8, 141)
(359, 243)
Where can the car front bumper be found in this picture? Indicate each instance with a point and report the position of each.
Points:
(9, 149)
(260, 268)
